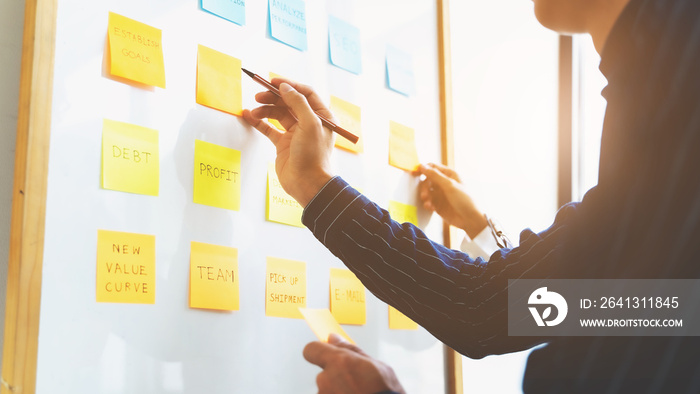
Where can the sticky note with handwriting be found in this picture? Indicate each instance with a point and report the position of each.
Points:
(135, 51)
(288, 22)
(323, 324)
(280, 206)
(130, 158)
(403, 213)
(399, 70)
(399, 321)
(402, 147)
(285, 288)
(219, 81)
(347, 296)
(349, 118)
(213, 277)
(345, 47)
(217, 180)
(232, 10)
(126, 267)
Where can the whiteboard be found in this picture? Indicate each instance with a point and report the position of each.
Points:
(90, 347)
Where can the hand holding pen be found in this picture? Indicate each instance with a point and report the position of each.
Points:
(324, 119)
(303, 151)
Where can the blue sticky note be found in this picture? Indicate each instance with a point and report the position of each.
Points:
(344, 42)
(233, 10)
(399, 70)
(288, 22)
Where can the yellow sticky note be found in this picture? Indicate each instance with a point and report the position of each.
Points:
(274, 122)
(402, 147)
(323, 324)
(349, 118)
(281, 207)
(217, 180)
(213, 277)
(285, 288)
(403, 213)
(219, 81)
(399, 321)
(135, 51)
(130, 158)
(347, 297)
(126, 267)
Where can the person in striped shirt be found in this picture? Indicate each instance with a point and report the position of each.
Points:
(642, 220)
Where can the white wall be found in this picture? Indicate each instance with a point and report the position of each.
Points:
(11, 25)
(505, 86)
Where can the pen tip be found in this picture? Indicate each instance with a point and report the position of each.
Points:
(250, 74)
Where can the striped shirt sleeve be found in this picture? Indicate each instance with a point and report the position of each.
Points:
(459, 299)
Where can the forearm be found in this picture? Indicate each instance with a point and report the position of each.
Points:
(460, 300)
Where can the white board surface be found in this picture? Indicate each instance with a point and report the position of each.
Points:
(91, 347)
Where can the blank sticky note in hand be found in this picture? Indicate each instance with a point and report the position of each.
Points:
(219, 81)
(135, 51)
(323, 324)
(402, 147)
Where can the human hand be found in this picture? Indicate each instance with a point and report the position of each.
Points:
(303, 151)
(442, 191)
(347, 369)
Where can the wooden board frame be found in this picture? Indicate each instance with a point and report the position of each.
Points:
(22, 310)
(29, 199)
(453, 360)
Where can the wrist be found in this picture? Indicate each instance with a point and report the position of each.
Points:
(309, 186)
(475, 225)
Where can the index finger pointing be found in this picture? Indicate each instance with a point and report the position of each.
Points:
(318, 353)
